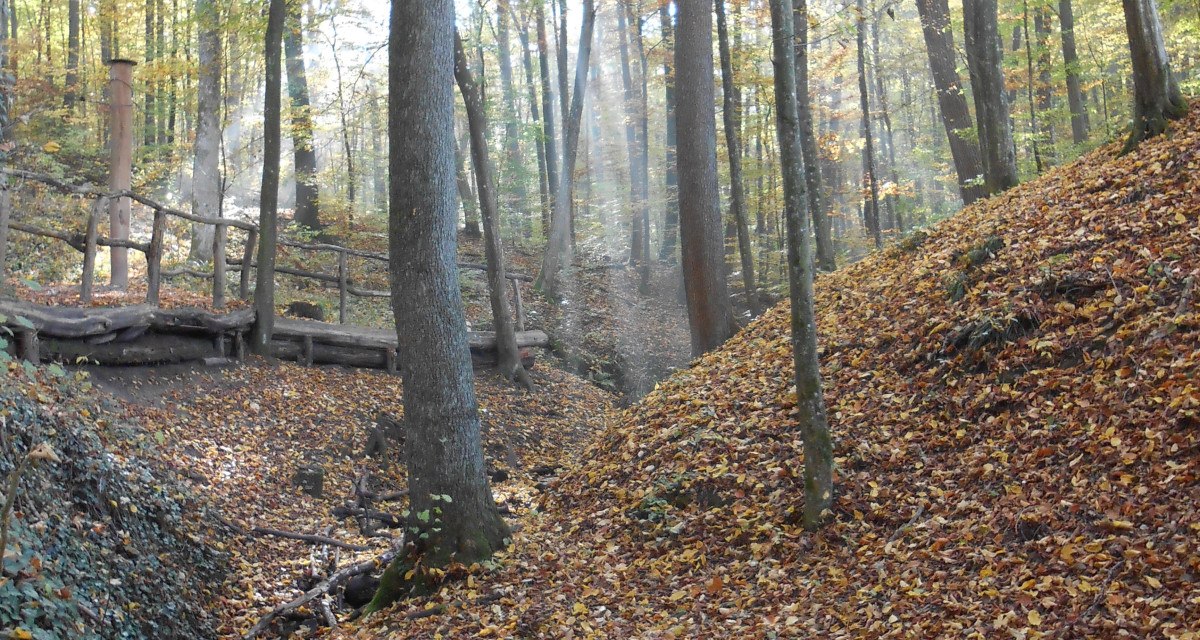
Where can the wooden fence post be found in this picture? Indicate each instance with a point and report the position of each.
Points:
(218, 292)
(89, 249)
(154, 255)
(343, 286)
(27, 346)
(120, 177)
(519, 305)
(247, 260)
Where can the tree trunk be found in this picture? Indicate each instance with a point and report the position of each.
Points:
(886, 138)
(548, 132)
(870, 173)
(733, 143)
(535, 117)
(452, 516)
(670, 234)
(810, 403)
(558, 248)
(513, 174)
(826, 256)
(643, 122)
(633, 144)
(72, 53)
(6, 91)
(952, 100)
(1156, 95)
(379, 171)
(1079, 115)
(268, 208)
(508, 357)
(206, 162)
(150, 126)
(1045, 86)
(465, 192)
(986, 64)
(710, 314)
(304, 155)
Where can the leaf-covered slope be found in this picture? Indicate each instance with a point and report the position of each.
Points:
(1015, 405)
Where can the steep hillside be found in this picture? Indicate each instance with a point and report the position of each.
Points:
(1015, 401)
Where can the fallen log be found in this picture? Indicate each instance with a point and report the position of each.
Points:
(147, 350)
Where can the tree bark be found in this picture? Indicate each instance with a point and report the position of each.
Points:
(986, 64)
(535, 117)
(710, 315)
(633, 144)
(558, 248)
(1079, 114)
(870, 173)
(206, 162)
(1045, 84)
(667, 250)
(268, 208)
(513, 173)
(810, 403)
(72, 53)
(1156, 95)
(548, 132)
(733, 143)
(465, 192)
(508, 356)
(826, 255)
(952, 100)
(452, 516)
(303, 154)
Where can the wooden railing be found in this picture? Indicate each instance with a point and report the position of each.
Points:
(89, 242)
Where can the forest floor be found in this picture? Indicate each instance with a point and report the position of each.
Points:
(1014, 398)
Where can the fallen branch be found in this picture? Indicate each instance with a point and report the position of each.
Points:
(307, 537)
(324, 588)
(330, 619)
(388, 520)
(443, 608)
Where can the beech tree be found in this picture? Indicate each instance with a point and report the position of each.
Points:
(710, 314)
(1156, 95)
(452, 516)
(206, 164)
(268, 206)
(822, 223)
(986, 64)
(304, 154)
(810, 402)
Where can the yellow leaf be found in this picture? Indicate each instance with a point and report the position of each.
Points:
(579, 609)
(1152, 581)
(1035, 618)
(20, 634)
(678, 595)
(50, 147)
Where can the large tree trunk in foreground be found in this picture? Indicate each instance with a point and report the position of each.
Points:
(558, 248)
(822, 222)
(206, 163)
(710, 314)
(810, 404)
(508, 356)
(1079, 115)
(733, 144)
(1156, 95)
(304, 155)
(986, 64)
(268, 208)
(952, 100)
(452, 516)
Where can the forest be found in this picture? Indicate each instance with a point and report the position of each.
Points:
(599, 319)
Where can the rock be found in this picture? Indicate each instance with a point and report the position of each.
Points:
(308, 310)
(310, 479)
(360, 590)
(499, 475)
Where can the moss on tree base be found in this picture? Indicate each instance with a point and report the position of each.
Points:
(1149, 125)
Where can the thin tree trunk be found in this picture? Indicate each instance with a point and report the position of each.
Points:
(150, 127)
(558, 248)
(1045, 86)
(810, 404)
(710, 315)
(452, 516)
(667, 250)
(466, 192)
(817, 206)
(548, 133)
(508, 357)
(733, 143)
(870, 175)
(304, 155)
(1079, 114)
(633, 144)
(206, 162)
(535, 117)
(268, 208)
(952, 100)
(887, 140)
(1029, 89)
(72, 53)
(513, 173)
